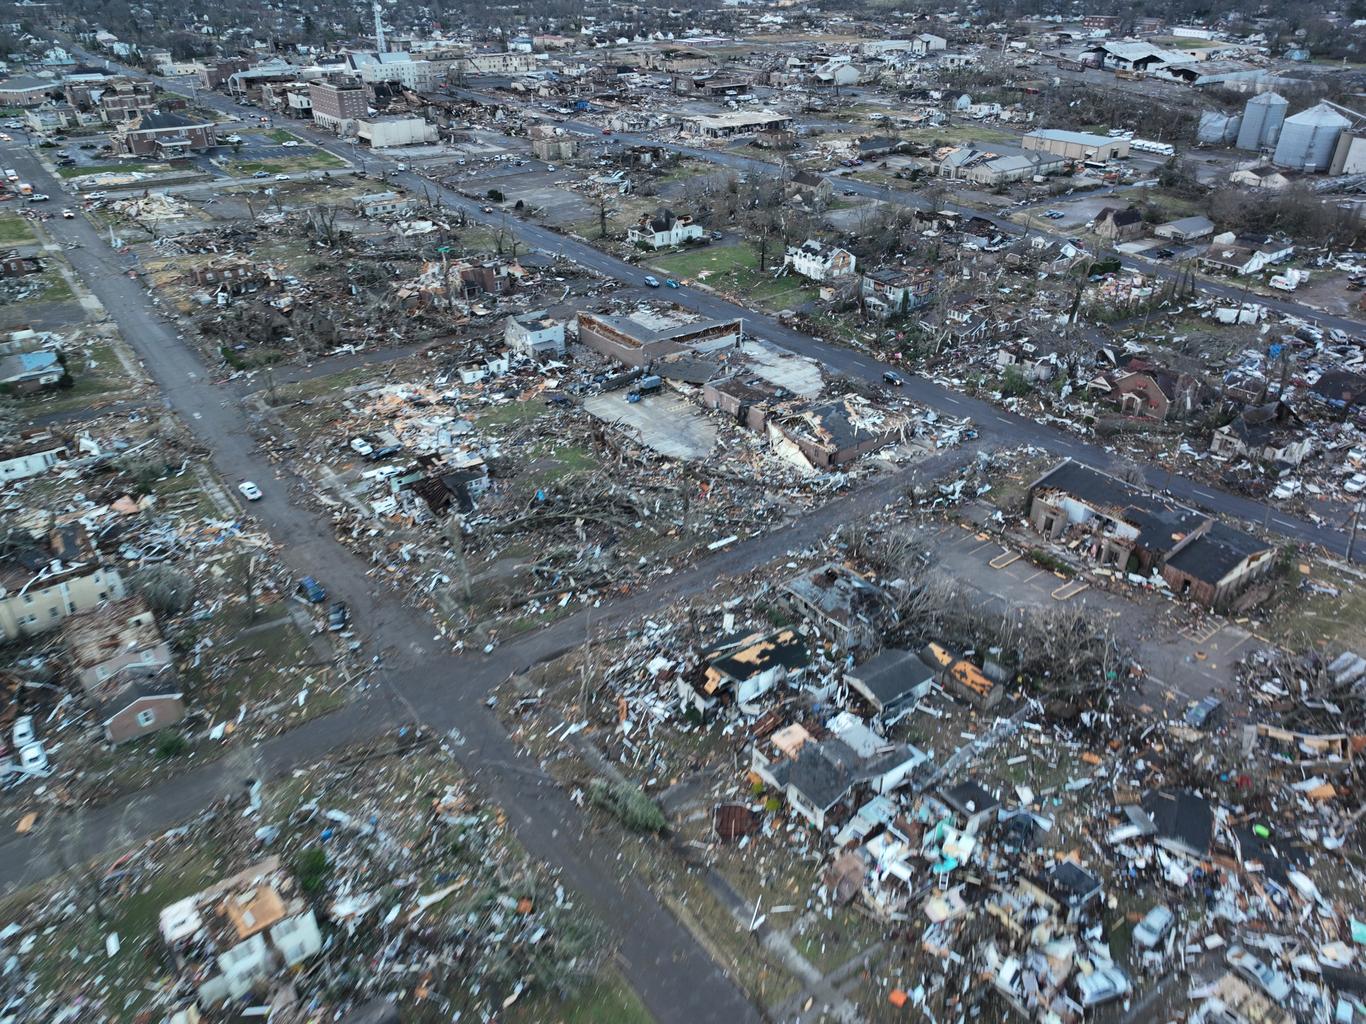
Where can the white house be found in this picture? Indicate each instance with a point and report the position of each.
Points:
(818, 261)
(663, 229)
(31, 457)
(534, 333)
(926, 43)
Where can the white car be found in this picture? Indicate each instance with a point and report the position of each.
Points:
(290, 144)
(233, 138)
(68, 215)
(1355, 484)
(96, 195)
(33, 760)
(249, 490)
(23, 731)
(38, 197)
(15, 125)
(1154, 927)
(282, 177)
(361, 446)
(1102, 985)
(1258, 973)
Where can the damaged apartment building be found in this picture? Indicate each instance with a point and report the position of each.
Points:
(1130, 530)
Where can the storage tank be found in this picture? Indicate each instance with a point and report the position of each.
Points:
(1262, 118)
(1217, 129)
(1309, 138)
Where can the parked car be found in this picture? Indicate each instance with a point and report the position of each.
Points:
(33, 760)
(1164, 254)
(38, 197)
(893, 379)
(1154, 927)
(233, 138)
(361, 446)
(24, 733)
(338, 616)
(311, 590)
(1274, 984)
(96, 195)
(282, 177)
(1200, 714)
(250, 491)
(1054, 214)
(290, 144)
(651, 280)
(67, 214)
(669, 282)
(261, 174)
(1355, 484)
(384, 452)
(1102, 985)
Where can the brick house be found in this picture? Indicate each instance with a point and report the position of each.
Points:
(158, 134)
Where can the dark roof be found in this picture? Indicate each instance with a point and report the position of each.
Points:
(688, 368)
(822, 772)
(892, 674)
(1213, 555)
(755, 654)
(1070, 883)
(163, 684)
(1341, 387)
(970, 792)
(158, 120)
(1182, 819)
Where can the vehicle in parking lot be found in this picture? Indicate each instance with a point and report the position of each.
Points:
(651, 280)
(249, 490)
(361, 446)
(1201, 713)
(1164, 254)
(233, 138)
(1272, 983)
(96, 195)
(1154, 927)
(37, 197)
(290, 144)
(1054, 214)
(1102, 985)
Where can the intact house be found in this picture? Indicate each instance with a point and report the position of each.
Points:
(535, 333)
(820, 262)
(163, 135)
(891, 291)
(742, 669)
(891, 682)
(1187, 229)
(990, 163)
(1118, 224)
(25, 372)
(663, 229)
(46, 582)
(1133, 530)
(1270, 432)
(125, 668)
(823, 780)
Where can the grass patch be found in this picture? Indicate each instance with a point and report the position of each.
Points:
(510, 414)
(1302, 616)
(735, 269)
(14, 230)
(608, 1000)
(312, 160)
(280, 135)
(81, 172)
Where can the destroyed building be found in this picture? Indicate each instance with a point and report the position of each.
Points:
(48, 580)
(1132, 530)
(645, 335)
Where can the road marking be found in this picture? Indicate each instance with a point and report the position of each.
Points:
(1284, 522)
(950, 398)
(1204, 494)
(1002, 419)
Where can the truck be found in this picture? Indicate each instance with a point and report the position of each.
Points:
(25, 189)
(11, 174)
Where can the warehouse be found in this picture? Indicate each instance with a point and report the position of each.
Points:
(1076, 145)
(740, 122)
(384, 132)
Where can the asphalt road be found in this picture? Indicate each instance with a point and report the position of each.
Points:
(994, 424)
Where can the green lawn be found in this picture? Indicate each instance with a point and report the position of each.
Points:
(309, 160)
(14, 230)
(734, 269)
(280, 135)
(511, 414)
(608, 1000)
(80, 172)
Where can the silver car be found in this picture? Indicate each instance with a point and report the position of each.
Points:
(1154, 927)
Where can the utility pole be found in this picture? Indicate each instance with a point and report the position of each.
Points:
(1352, 532)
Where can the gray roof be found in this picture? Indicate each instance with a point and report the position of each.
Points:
(1320, 114)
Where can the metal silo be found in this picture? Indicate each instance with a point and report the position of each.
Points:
(1262, 118)
(1309, 138)
(1217, 129)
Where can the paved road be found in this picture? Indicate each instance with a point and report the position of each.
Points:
(994, 424)
(421, 681)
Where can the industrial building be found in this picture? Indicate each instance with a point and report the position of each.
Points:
(740, 122)
(1309, 139)
(1075, 145)
(647, 335)
(1262, 120)
(386, 132)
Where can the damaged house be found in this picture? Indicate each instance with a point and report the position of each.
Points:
(125, 668)
(1132, 530)
(663, 229)
(844, 604)
(646, 335)
(826, 435)
(892, 291)
(44, 583)
(820, 262)
(743, 669)
(1145, 391)
(1270, 433)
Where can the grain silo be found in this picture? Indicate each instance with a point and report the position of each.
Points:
(1262, 118)
(1217, 129)
(1309, 138)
